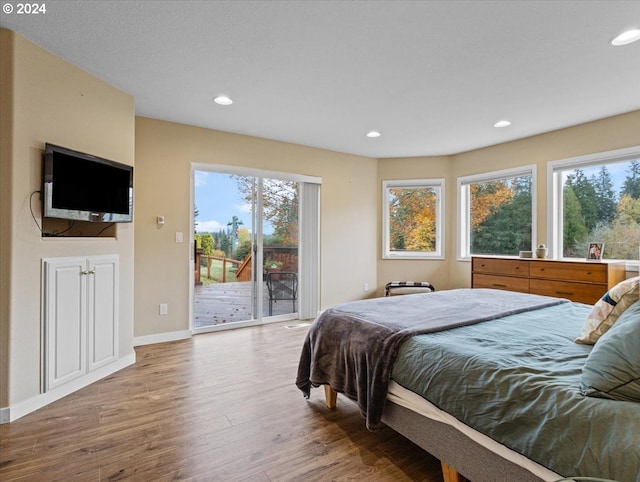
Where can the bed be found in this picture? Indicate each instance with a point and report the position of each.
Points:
(490, 382)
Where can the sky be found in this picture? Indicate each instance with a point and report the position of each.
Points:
(217, 200)
(618, 172)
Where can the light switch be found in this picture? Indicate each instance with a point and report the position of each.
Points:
(179, 237)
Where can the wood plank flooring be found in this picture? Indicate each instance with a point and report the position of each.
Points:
(218, 407)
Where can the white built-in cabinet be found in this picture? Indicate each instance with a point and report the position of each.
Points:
(80, 315)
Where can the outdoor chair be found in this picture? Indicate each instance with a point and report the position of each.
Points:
(282, 285)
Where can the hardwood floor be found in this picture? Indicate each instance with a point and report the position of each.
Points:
(218, 407)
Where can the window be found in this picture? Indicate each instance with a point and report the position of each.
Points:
(596, 198)
(412, 219)
(496, 213)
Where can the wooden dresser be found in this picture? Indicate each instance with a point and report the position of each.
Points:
(583, 281)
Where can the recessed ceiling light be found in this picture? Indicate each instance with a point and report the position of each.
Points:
(373, 134)
(223, 100)
(626, 37)
(502, 123)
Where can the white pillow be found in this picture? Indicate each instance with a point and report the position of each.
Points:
(608, 308)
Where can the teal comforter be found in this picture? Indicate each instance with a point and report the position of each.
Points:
(517, 380)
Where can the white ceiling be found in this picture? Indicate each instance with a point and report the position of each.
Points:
(432, 76)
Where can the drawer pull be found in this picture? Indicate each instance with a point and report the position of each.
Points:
(498, 285)
(567, 293)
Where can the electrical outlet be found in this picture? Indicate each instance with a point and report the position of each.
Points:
(163, 309)
(365, 287)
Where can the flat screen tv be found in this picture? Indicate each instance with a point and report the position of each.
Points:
(82, 187)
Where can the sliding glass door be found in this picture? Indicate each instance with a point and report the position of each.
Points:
(246, 258)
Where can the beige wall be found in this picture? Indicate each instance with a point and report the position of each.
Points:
(164, 154)
(435, 271)
(52, 101)
(603, 135)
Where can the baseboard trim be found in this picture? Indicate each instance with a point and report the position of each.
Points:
(14, 412)
(161, 337)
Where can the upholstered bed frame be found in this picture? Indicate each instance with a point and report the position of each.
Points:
(461, 458)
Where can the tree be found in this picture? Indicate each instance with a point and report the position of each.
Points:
(243, 250)
(280, 205)
(412, 218)
(629, 209)
(507, 229)
(605, 196)
(631, 186)
(486, 198)
(575, 231)
(224, 242)
(206, 243)
(586, 195)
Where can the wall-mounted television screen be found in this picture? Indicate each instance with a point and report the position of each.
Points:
(83, 187)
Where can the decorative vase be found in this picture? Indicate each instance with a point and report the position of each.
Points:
(541, 252)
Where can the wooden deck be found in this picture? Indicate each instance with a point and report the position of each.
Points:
(221, 303)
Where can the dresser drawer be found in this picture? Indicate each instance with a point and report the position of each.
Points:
(510, 267)
(582, 292)
(500, 282)
(591, 272)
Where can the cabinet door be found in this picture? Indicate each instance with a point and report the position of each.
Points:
(103, 310)
(65, 320)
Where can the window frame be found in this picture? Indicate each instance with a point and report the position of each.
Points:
(439, 186)
(554, 193)
(463, 241)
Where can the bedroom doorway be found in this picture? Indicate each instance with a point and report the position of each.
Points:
(247, 263)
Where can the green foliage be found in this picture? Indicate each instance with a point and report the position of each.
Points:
(506, 228)
(223, 242)
(242, 251)
(586, 194)
(280, 201)
(605, 196)
(591, 213)
(412, 219)
(631, 186)
(575, 231)
(205, 242)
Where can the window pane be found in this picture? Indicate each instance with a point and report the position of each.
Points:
(412, 218)
(601, 203)
(500, 216)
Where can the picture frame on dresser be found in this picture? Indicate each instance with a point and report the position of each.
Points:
(595, 251)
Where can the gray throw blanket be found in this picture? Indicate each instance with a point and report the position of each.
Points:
(352, 347)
